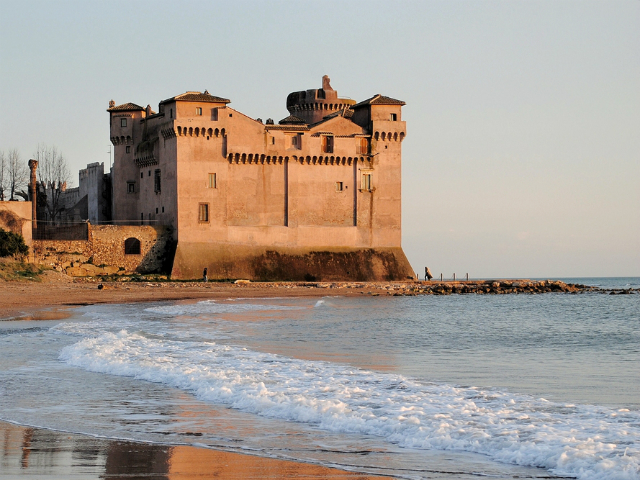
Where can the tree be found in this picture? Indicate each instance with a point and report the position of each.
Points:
(12, 244)
(17, 173)
(53, 173)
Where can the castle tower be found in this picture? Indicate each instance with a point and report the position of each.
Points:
(315, 104)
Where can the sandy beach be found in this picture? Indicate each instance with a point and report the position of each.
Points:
(28, 452)
(47, 300)
(33, 452)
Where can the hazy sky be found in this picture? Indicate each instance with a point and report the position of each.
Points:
(522, 156)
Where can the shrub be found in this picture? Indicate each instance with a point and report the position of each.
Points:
(12, 244)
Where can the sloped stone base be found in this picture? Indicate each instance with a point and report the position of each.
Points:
(289, 264)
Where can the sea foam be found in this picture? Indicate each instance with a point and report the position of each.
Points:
(587, 442)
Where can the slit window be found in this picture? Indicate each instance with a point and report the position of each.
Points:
(156, 181)
(203, 212)
(212, 181)
(132, 246)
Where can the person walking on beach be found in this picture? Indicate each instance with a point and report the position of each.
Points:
(204, 275)
(427, 274)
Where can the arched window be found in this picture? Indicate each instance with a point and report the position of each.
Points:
(132, 246)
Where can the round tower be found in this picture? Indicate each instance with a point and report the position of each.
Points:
(315, 104)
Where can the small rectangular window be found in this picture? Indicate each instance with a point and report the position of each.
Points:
(156, 209)
(339, 186)
(156, 182)
(394, 117)
(214, 114)
(203, 212)
(171, 113)
(141, 174)
(131, 187)
(363, 146)
(327, 144)
(128, 149)
(212, 180)
(123, 122)
(366, 181)
(198, 110)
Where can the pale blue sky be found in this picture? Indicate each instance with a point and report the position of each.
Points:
(523, 150)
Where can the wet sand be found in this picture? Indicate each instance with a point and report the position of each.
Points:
(48, 300)
(38, 453)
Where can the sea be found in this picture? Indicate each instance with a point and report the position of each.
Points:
(459, 386)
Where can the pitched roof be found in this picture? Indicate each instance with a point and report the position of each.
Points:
(196, 97)
(296, 128)
(345, 112)
(125, 107)
(379, 100)
(292, 120)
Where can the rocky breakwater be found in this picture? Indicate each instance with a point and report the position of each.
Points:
(478, 287)
(501, 287)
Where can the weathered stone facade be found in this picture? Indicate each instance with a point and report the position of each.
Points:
(104, 251)
(90, 200)
(16, 217)
(240, 194)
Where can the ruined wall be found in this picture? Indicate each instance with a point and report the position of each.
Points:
(16, 217)
(106, 247)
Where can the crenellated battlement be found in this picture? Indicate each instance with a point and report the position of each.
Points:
(239, 192)
(315, 104)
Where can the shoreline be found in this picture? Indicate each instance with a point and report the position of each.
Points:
(33, 451)
(50, 298)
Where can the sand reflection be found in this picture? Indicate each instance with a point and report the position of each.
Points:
(31, 452)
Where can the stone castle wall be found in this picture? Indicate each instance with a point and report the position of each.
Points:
(104, 251)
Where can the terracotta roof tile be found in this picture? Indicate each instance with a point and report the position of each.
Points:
(125, 107)
(292, 120)
(379, 100)
(196, 97)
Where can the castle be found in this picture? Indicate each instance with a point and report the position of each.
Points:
(316, 196)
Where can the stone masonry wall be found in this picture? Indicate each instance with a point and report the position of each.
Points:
(104, 251)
